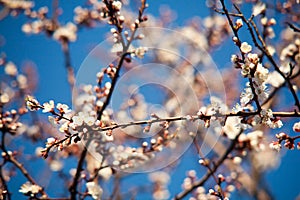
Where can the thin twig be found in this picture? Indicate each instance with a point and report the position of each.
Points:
(194, 118)
(7, 194)
(264, 49)
(73, 188)
(68, 65)
(231, 14)
(235, 31)
(113, 84)
(210, 172)
(10, 158)
(293, 27)
(220, 190)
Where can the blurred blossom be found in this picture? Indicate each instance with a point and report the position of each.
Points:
(67, 32)
(11, 69)
(4, 98)
(160, 177)
(31, 189)
(56, 165)
(18, 4)
(94, 190)
(259, 8)
(232, 127)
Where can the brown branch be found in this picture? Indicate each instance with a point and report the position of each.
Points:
(221, 193)
(293, 27)
(73, 188)
(99, 168)
(47, 149)
(68, 66)
(125, 53)
(235, 31)
(60, 115)
(210, 172)
(113, 84)
(24, 172)
(265, 51)
(115, 20)
(10, 158)
(230, 14)
(194, 118)
(7, 194)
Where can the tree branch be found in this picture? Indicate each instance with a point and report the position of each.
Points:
(210, 172)
(265, 51)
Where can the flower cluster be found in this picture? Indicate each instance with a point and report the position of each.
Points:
(289, 142)
(94, 190)
(30, 189)
(16, 5)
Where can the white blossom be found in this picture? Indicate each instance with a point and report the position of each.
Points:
(50, 141)
(268, 119)
(78, 119)
(89, 120)
(63, 108)
(296, 127)
(275, 145)
(64, 127)
(105, 173)
(22, 81)
(10, 69)
(83, 117)
(275, 79)
(4, 98)
(56, 165)
(140, 52)
(239, 22)
(237, 160)
(247, 95)
(117, 5)
(264, 21)
(31, 103)
(253, 58)
(66, 32)
(275, 124)
(29, 188)
(18, 4)
(26, 28)
(48, 107)
(258, 8)
(234, 58)
(232, 127)
(117, 47)
(245, 47)
(261, 91)
(94, 190)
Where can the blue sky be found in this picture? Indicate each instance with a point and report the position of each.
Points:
(49, 61)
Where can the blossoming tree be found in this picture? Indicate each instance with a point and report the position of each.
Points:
(153, 111)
